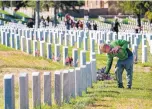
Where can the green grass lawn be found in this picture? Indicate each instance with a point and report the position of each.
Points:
(22, 14)
(104, 94)
(17, 59)
(4, 12)
(16, 17)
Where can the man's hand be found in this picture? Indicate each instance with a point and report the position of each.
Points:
(115, 49)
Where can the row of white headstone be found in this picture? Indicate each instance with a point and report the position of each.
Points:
(25, 44)
(124, 27)
(97, 37)
(68, 83)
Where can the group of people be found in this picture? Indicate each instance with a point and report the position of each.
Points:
(91, 26)
(71, 23)
(44, 22)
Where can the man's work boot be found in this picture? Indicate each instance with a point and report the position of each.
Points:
(128, 87)
(120, 85)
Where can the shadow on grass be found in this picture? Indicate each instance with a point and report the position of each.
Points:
(102, 91)
(100, 105)
(109, 91)
(149, 89)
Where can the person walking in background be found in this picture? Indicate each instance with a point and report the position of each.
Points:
(80, 25)
(30, 23)
(48, 20)
(77, 24)
(94, 26)
(116, 26)
(67, 21)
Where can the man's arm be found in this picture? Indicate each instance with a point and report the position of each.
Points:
(109, 64)
(122, 43)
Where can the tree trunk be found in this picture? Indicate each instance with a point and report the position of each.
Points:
(37, 16)
(11, 4)
(138, 20)
(2, 5)
(55, 17)
(34, 14)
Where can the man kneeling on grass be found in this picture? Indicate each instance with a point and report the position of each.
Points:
(119, 49)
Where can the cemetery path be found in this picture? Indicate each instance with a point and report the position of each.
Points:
(139, 69)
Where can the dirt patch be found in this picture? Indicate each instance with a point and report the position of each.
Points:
(140, 69)
(8, 53)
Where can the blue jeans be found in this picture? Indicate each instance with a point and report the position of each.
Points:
(126, 64)
(68, 27)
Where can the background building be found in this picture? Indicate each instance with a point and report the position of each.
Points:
(92, 4)
(94, 8)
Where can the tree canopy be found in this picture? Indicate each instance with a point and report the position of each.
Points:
(139, 8)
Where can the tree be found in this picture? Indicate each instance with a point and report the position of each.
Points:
(37, 14)
(19, 4)
(4, 4)
(39, 5)
(139, 8)
(62, 5)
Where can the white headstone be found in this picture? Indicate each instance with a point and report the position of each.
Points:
(82, 58)
(55, 38)
(85, 43)
(9, 98)
(72, 82)
(57, 87)
(36, 89)
(84, 75)
(49, 51)
(34, 47)
(144, 54)
(92, 45)
(17, 42)
(89, 74)
(47, 88)
(66, 39)
(78, 81)
(57, 51)
(28, 46)
(72, 40)
(75, 57)
(66, 86)
(23, 42)
(23, 91)
(65, 54)
(42, 50)
(135, 52)
(78, 42)
(93, 70)
(12, 40)
(99, 42)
